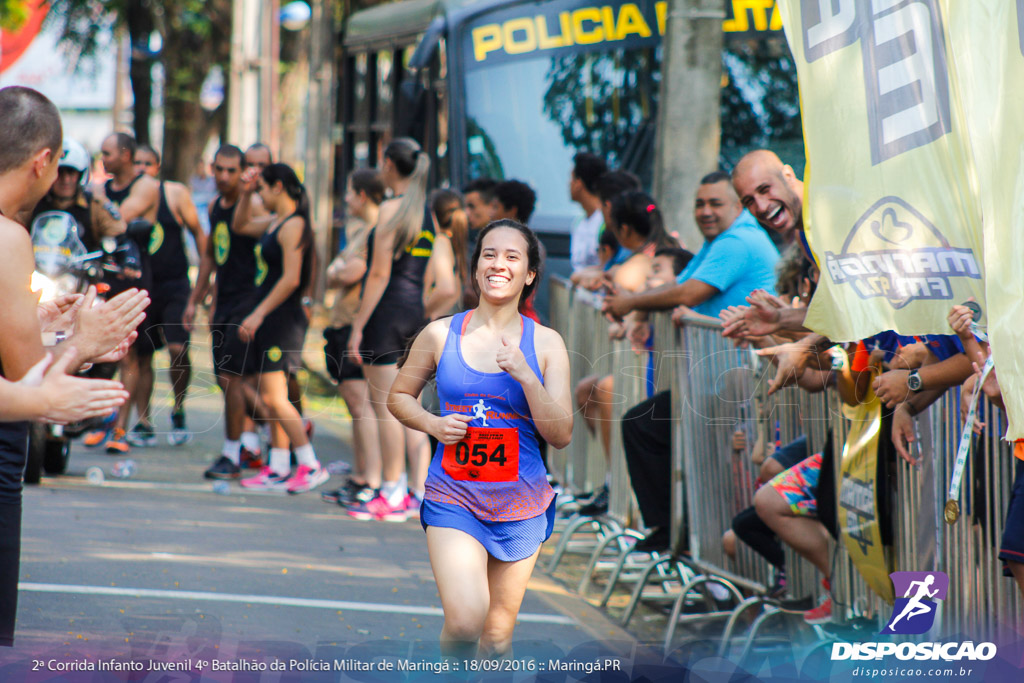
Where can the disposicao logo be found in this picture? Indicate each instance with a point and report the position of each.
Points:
(914, 613)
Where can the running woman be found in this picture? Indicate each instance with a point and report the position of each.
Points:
(276, 327)
(503, 382)
(170, 293)
(390, 314)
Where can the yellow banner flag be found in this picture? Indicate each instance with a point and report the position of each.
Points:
(987, 41)
(859, 524)
(890, 208)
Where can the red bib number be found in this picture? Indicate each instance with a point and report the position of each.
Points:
(483, 455)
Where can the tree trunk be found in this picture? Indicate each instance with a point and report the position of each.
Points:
(688, 113)
(192, 46)
(139, 20)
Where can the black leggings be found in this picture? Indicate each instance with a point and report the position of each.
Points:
(751, 530)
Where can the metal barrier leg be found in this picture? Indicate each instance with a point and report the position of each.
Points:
(623, 564)
(638, 590)
(754, 628)
(730, 626)
(574, 526)
(613, 579)
(599, 551)
(677, 607)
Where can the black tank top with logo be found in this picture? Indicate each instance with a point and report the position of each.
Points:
(235, 256)
(167, 244)
(270, 269)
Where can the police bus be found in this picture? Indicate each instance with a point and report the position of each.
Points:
(514, 88)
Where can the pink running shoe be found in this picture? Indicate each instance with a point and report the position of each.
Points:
(380, 509)
(412, 506)
(307, 478)
(266, 480)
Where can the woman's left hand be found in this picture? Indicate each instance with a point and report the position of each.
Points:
(247, 330)
(511, 360)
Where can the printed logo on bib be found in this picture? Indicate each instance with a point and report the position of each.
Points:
(490, 455)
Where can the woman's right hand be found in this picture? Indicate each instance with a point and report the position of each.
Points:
(451, 429)
(355, 340)
(68, 399)
(250, 179)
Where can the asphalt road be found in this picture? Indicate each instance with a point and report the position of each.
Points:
(162, 571)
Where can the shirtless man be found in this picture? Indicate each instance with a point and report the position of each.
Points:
(30, 146)
(170, 293)
(137, 198)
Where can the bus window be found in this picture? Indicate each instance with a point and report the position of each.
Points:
(360, 91)
(525, 119)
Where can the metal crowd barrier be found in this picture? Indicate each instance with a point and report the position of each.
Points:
(981, 604)
(717, 389)
(581, 466)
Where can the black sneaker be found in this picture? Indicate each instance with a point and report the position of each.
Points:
(655, 542)
(345, 491)
(223, 469)
(141, 436)
(356, 494)
(332, 495)
(598, 505)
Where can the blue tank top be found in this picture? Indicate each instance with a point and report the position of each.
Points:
(496, 472)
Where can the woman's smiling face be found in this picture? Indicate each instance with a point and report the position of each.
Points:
(503, 268)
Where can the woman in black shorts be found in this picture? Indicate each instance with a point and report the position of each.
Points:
(277, 325)
(390, 314)
(363, 196)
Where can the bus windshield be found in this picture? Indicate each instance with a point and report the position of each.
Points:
(526, 119)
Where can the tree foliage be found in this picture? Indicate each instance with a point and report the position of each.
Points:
(606, 103)
(195, 37)
(13, 14)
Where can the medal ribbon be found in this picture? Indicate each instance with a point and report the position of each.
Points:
(965, 439)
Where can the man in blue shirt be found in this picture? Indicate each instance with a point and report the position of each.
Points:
(737, 258)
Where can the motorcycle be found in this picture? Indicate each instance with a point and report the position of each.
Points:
(64, 266)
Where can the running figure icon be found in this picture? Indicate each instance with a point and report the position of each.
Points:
(914, 606)
(479, 411)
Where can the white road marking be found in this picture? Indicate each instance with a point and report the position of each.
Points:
(377, 607)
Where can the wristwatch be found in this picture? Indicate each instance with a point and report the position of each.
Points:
(54, 338)
(914, 382)
(111, 208)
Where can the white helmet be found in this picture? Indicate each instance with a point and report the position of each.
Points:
(74, 156)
